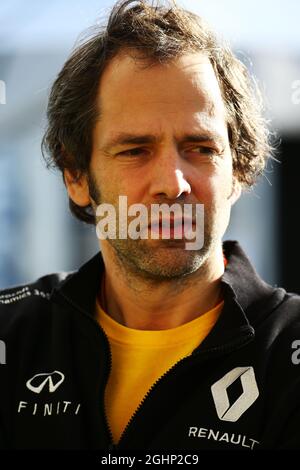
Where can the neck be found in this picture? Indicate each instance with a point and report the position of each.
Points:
(157, 305)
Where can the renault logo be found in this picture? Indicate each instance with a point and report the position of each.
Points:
(232, 412)
(40, 381)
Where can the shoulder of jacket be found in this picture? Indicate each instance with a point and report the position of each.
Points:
(38, 290)
(291, 303)
(284, 322)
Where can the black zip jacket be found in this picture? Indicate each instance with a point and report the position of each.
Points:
(240, 389)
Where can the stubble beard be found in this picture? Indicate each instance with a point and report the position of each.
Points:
(161, 260)
(158, 260)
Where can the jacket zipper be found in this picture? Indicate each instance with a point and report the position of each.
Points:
(219, 349)
(111, 446)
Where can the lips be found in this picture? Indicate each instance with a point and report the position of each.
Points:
(171, 222)
(171, 228)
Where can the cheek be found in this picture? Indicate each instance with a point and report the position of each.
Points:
(113, 186)
(222, 181)
(106, 181)
(213, 190)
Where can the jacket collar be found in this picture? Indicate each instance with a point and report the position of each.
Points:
(80, 288)
(255, 296)
(247, 297)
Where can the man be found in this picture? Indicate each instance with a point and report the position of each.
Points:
(151, 345)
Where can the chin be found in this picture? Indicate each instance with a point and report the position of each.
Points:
(167, 269)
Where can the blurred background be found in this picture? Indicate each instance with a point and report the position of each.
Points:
(37, 233)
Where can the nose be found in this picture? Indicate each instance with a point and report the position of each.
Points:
(169, 176)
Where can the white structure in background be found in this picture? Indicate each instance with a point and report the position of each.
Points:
(2, 92)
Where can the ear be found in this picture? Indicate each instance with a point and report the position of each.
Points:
(236, 191)
(77, 187)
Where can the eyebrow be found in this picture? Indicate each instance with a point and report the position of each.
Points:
(133, 139)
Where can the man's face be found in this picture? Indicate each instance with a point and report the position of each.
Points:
(181, 154)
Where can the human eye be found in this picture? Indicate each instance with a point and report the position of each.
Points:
(134, 152)
(204, 150)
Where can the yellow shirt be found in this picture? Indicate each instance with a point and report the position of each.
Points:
(141, 357)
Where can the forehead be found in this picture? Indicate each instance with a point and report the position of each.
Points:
(186, 88)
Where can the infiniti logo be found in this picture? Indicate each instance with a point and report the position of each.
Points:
(48, 381)
(40, 381)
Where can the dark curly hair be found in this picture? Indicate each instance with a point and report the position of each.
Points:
(160, 33)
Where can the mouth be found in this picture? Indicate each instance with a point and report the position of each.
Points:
(171, 228)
